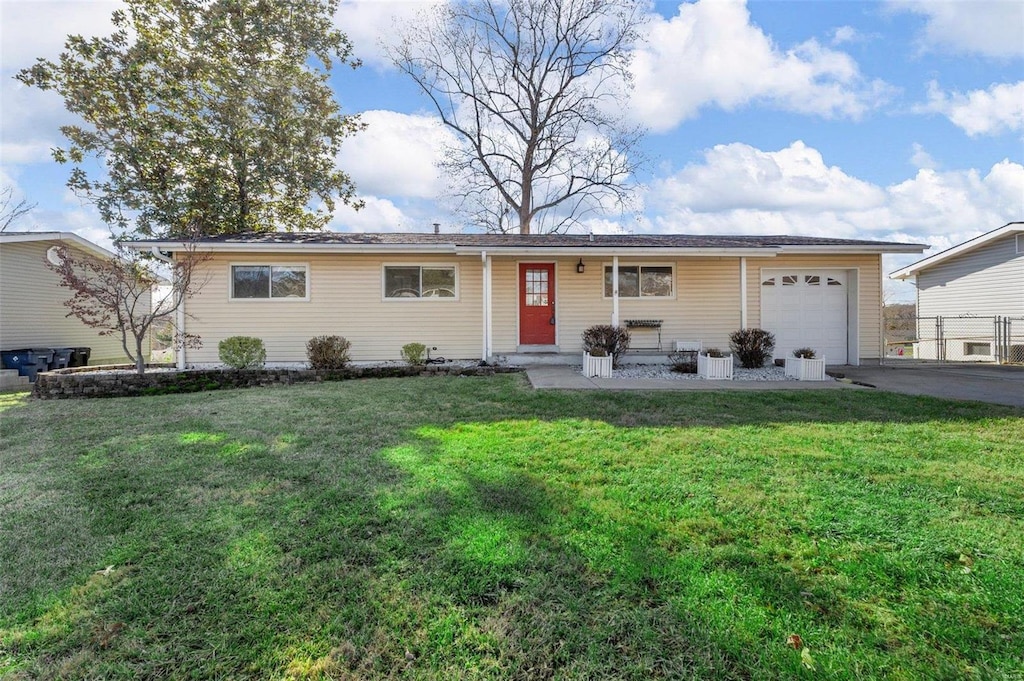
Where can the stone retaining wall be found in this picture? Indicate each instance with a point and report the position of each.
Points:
(64, 384)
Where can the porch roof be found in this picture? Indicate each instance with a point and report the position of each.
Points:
(514, 244)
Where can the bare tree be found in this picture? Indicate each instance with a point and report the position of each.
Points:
(534, 91)
(10, 210)
(117, 295)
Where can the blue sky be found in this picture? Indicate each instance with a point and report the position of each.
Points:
(898, 120)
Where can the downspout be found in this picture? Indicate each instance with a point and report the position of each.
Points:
(179, 314)
(743, 293)
(615, 290)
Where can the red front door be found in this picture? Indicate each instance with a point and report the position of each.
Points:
(536, 304)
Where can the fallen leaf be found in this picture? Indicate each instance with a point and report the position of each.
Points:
(806, 659)
(794, 641)
(106, 571)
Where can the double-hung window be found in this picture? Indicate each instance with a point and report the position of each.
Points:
(420, 281)
(641, 281)
(255, 282)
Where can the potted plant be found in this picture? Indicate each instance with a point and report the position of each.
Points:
(805, 366)
(714, 365)
(597, 362)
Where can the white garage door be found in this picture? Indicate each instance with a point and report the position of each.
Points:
(806, 308)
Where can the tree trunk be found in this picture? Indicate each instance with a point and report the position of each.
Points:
(140, 361)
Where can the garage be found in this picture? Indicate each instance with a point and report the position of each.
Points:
(808, 308)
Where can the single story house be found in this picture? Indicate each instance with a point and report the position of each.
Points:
(32, 311)
(970, 298)
(527, 297)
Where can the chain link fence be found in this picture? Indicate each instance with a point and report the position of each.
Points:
(964, 338)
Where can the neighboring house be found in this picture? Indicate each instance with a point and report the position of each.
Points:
(970, 298)
(524, 297)
(32, 311)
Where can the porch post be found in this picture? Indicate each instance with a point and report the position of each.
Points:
(179, 322)
(485, 261)
(743, 293)
(615, 290)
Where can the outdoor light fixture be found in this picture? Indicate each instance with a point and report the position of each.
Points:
(580, 266)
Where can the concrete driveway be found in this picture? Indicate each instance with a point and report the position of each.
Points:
(981, 382)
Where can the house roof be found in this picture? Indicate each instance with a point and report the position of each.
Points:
(70, 237)
(681, 244)
(958, 250)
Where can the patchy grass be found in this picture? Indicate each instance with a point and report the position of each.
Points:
(473, 528)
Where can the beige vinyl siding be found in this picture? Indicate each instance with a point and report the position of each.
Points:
(985, 281)
(345, 299)
(32, 311)
(706, 304)
(869, 311)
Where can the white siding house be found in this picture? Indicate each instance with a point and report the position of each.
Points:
(524, 298)
(32, 311)
(970, 298)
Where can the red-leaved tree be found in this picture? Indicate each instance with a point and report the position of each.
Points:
(125, 296)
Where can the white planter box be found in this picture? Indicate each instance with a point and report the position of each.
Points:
(601, 367)
(806, 369)
(714, 368)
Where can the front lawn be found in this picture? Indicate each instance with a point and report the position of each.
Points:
(472, 528)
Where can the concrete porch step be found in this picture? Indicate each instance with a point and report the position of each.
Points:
(10, 380)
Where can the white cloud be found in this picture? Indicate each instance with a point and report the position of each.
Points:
(378, 215)
(998, 109)
(740, 189)
(994, 28)
(922, 159)
(849, 34)
(38, 28)
(740, 177)
(711, 54)
(371, 24)
(396, 155)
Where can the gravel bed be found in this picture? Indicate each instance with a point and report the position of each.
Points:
(662, 371)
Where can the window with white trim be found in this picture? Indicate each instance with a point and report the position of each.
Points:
(255, 282)
(641, 281)
(1020, 244)
(419, 281)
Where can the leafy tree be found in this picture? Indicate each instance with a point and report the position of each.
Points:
(207, 116)
(533, 89)
(125, 296)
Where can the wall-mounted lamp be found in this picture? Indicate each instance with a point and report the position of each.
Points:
(580, 266)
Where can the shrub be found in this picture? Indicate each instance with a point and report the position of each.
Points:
(414, 353)
(327, 353)
(804, 353)
(242, 352)
(752, 346)
(713, 352)
(613, 340)
(683, 362)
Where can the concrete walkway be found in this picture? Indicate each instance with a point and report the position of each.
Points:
(561, 377)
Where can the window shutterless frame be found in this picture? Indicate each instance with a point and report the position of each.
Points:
(419, 281)
(281, 279)
(634, 276)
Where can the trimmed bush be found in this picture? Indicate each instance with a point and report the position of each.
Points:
(713, 352)
(613, 340)
(804, 353)
(752, 346)
(327, 353)
(242, 352)
(414, 353)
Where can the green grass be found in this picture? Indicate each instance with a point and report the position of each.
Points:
(473, 528)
